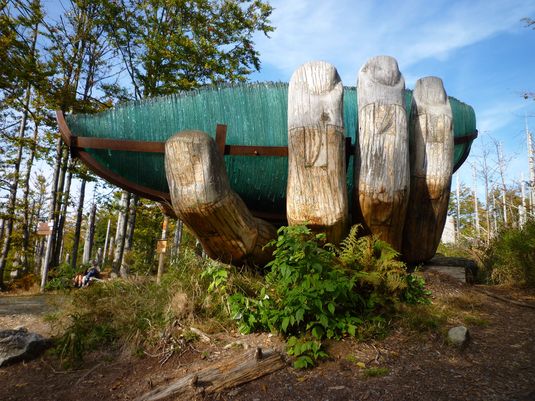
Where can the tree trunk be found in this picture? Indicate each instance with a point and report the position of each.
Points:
(60, 192)
(89, 235)
(177, 239)
(431, 162)
(106, 242)
(202, 199)
(38, 260)
(382, 161)
(131, 225)
(63, 213)
(129, 235)
(78, 225)
(317, 186)
(161, 256)
(120, 232)
(26, 222)
(12, 198)
(51, 214)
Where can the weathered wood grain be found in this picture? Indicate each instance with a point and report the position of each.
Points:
(203, 200)
(317, 189)
(431, 163)
(382, 161)
(243, 369)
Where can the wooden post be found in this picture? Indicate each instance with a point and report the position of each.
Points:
(317, 187)
(161, 256)
(203, 200)
(431, 161)
(382, 159)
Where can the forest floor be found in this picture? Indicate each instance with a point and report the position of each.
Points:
(409, 364)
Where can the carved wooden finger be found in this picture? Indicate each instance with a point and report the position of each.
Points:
(203, 200)
(382, 159)
(431, 163)
(317, 188)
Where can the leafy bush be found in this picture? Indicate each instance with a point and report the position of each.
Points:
(61, 277)
(510, 258)
(315, 292)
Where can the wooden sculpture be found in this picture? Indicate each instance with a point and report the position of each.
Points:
(232, 191)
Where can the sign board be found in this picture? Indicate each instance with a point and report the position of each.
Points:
(161, 246)
(44, 228)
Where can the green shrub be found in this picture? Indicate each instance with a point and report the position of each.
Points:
(61, 277)
(510, 258)
(315, 292)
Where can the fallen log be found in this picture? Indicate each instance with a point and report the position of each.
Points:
(203, 200)
(381, 167)
(431, 163)
(227, 374)
(317, 188)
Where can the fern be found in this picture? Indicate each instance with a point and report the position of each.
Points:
(375, 264)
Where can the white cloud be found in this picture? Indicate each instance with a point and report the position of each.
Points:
(346, 33)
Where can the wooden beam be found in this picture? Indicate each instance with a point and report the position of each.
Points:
(221, 137)
(82, 142)
(120, 181)
(242, 150)
(458, 140)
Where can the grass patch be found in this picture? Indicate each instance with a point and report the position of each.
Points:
(137, 315)
(423, 318)
(476, 321)
(351, 358)
(376, 372)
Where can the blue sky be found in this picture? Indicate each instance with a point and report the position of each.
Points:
(480, 48)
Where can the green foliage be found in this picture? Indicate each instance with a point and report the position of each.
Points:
(218, 276)
(170, 45)
(316, 292)
(305, 350)
(61, 277)
(416, 292)
(510, 258)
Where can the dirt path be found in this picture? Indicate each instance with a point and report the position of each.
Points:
(28, 311)
(498, 363)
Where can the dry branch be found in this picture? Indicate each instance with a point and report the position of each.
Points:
(227, 374)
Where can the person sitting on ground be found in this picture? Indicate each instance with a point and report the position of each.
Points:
(83, 280)
(90, 275)
(78, 280)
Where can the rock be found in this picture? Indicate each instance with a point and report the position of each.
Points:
(458, 336)
(19, 344)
